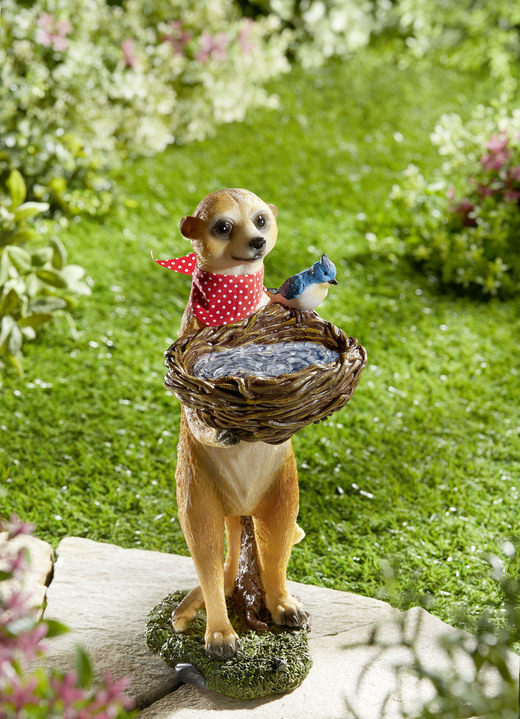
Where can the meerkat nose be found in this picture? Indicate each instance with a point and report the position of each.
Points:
(257, 243)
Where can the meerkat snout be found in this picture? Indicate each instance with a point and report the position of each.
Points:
(257, 243)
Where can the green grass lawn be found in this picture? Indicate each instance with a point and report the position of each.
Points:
(421, 468)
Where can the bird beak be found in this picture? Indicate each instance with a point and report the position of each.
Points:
(333, 282)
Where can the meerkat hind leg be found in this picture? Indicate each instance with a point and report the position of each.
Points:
(187, 609)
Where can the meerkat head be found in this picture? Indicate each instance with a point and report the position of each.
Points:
(231, 231)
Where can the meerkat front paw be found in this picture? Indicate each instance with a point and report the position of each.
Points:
(291, 613)
(227, 437)
(222, 644)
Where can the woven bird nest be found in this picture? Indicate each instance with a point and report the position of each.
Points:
(267, 409)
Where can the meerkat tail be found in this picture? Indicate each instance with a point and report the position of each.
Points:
(299, 534)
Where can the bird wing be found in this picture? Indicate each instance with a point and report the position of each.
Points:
(292, 287)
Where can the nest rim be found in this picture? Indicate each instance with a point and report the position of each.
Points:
(253, 407)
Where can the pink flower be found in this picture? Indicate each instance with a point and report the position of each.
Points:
(66, 689)
(112, 693)
(498, 143)
(178, 38)
(44, 37)
(514, 173)
(243, 37)
(14, 606)
(464, 208)
(485, 191)
(128, 48)
(53, 32)
(212, 47)
(14, 527)
(17, 564)
(22, 693)
(63, 27)
(512, 195)
(499, 153)
(46, 20)
(220, 44)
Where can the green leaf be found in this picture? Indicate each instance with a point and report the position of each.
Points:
(73, 275)
(55, 628)
(52, 277)
(20, 258)
(14, 346)
(16, 361)
(35, 320)
(19, 237)
(17, 189)
(32, 285)
(41, 256)
(47, 305)
(23, 625)
(5, 330)
(28, 333)
(58, 185)
(9, 302)
(30, 209)
(59, 259)
(83, 667)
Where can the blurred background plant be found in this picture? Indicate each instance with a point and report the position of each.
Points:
(322, 29)
(466, 34)
(29, 690)
(463, 224)
(476, 677)
(85, 84)
(35, 279)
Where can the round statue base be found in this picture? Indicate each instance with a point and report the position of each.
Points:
(273, 661)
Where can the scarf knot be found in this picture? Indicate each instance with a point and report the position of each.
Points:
(218, 299)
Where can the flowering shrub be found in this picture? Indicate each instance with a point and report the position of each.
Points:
(85, 83)
(465, 224)
(466, 34)
(327, 28)
(35, 280)
(28, 692)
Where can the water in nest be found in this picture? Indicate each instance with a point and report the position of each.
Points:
(262, 360)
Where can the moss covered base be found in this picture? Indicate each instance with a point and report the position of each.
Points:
(270, 662)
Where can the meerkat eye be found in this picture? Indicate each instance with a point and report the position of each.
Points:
(223, 228)
(261, 221)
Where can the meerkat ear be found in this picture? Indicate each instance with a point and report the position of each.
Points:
(274, 210)
(191, 227)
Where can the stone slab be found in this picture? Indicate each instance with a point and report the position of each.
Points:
(40, 564)
(104, 593)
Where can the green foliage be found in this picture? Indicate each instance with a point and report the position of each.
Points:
(464, 224)
(35, 279)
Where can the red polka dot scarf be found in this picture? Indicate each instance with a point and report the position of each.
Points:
(218, 299)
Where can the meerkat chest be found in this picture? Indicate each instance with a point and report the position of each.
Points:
(245, 472)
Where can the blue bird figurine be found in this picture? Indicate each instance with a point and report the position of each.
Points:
(307, 289)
